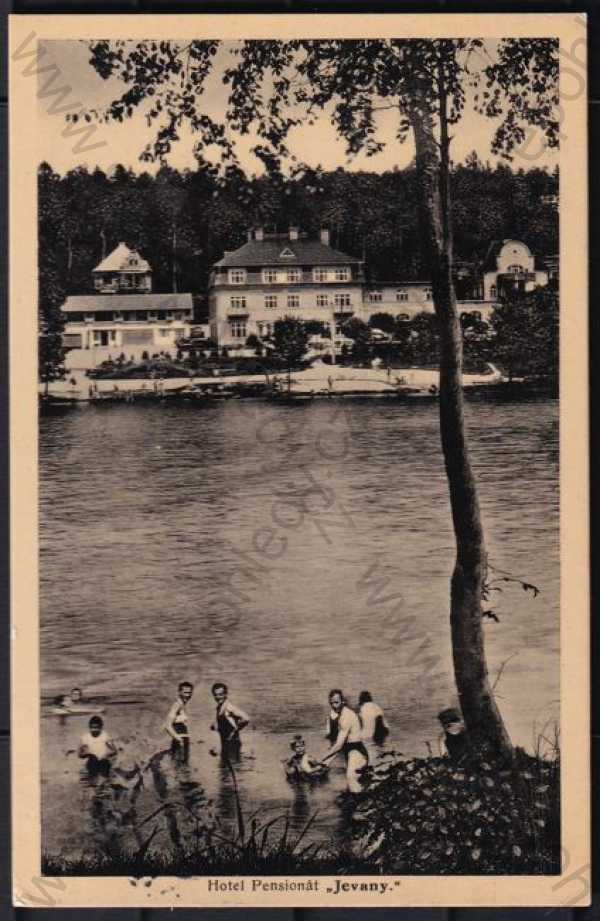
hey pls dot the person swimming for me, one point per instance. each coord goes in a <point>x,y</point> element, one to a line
<point>97,748</point>
<point>72,704</point>
<point>301,766</point>
<point>230,720</point>
<point>176,723</point>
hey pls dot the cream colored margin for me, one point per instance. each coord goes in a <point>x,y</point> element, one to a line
<point>571,888</point>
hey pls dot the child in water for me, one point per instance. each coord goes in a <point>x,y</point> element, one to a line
<point>97,748</point>
<point>301,766</point>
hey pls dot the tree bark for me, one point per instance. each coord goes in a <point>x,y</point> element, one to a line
<point>174,259</point>
<point>481,715</point>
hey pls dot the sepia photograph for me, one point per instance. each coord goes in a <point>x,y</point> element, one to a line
<point>298,445</point>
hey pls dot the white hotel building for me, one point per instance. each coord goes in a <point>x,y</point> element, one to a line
<point>277,275</point>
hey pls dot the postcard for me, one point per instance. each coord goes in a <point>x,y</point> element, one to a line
<point>299,467</point>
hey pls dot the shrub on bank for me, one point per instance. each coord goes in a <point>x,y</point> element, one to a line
<point>429,815</point>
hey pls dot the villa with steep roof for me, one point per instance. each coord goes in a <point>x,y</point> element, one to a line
<point>124,317</point>
<point>123,270</point>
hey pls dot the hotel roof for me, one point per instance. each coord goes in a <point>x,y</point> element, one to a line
<point>99,303</point>
<point>283,251</point>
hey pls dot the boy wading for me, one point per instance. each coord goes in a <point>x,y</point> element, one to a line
<point>176,723</point>
<point>349,741</point>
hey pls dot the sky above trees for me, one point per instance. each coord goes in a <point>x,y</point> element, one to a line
<point>122,143</point>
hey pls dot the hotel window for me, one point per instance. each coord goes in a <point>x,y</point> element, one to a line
<point>89,317</point>
<point>515,269</point>
<point>320,274</point>
<point>322,300</point>
<point>401,295</point>
<point>238,329</point>
<point>269,276</point>
<point>161,314</point>
<point>237,276</point>
<point>293,300</point>
<point>342,300</point>
<point>427,294</point>
<point>259,329</point>
<point>294,275</point>
<point>178,332</point>
<point>271,301</point>
<point>375,297</point>
<point>342,274</point>
<point>493,291</point>
<point>152,315</point>
<point>165,332</point>
<point>237,303</point>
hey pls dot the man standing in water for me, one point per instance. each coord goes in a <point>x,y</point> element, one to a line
<point>176,723</point>
<point>229,721</point>
<point>374,725</point>
<point>349,741</point>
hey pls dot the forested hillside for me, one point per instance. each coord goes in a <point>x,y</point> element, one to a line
<point>182,222</point>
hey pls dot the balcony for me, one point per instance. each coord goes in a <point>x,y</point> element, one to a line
<point>511,277</point>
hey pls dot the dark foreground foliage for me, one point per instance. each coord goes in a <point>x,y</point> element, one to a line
<point>431,816</point>
<point>422,816</point>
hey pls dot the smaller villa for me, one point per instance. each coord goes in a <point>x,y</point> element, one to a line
<point>123,316</point>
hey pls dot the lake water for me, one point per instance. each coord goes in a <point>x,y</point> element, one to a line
<point>284,550</point>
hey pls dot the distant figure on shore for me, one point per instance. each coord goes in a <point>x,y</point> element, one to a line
<point>455,739</point>
<point>374,725</point>
<point>97,748</point>
<point>302,766</point>
<point>176,723</point>
<point>349,741</point>
<point>229,720</point>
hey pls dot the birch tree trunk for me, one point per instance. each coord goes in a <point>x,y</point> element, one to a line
<point>482,717</point>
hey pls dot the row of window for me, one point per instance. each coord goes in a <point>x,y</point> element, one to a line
<point>271,301</point>
<point>291,275</point>
<point>239,329</point>
<point>376,297</point>
<point>109,336</point>
<point>123,281</point>
<point>115,316</point>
